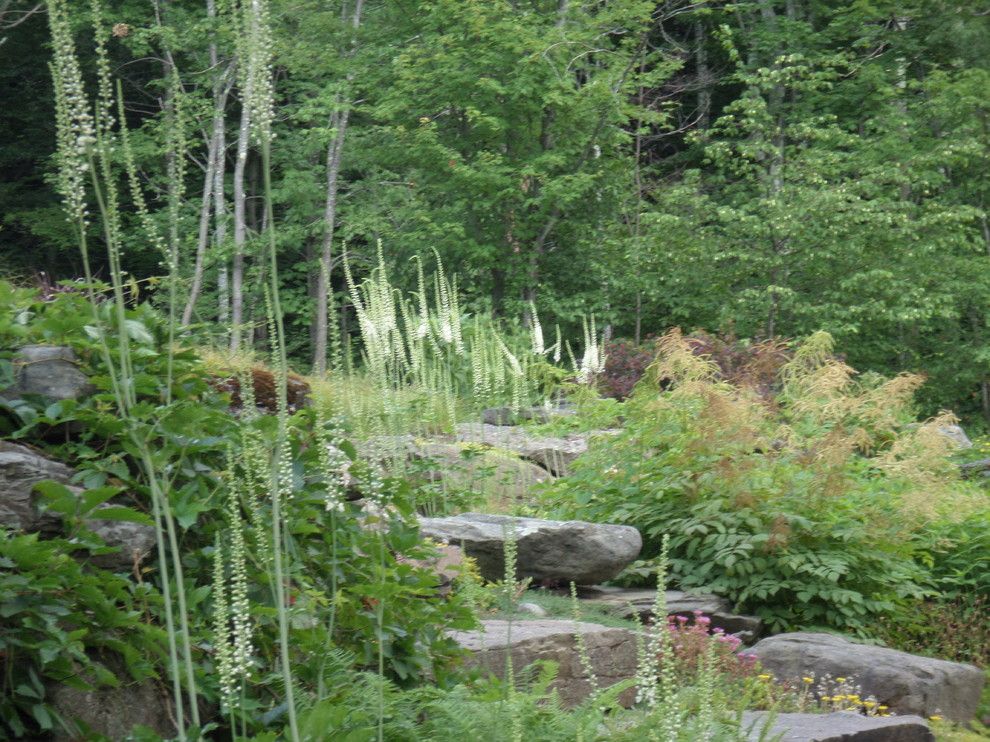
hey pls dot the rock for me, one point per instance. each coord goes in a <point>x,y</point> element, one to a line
<point>133,541</point>
<point>627,602</point>
<point>501,477</point>
<point>612,652</point>
<point>979,468</point>
<point>839,726</point>
<point>907,683</point>
<point>505,415</point>
<point>957,435</point>
<point>553,454</point>
<point>532,609</point>
<point>446,565</point>
<point>50,371</point>
<point>22,468</point>
<point>501,416</point>
<point>552,550</point>
<point>112,712</point>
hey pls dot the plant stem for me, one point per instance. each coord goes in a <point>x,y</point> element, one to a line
<point>283,619</point>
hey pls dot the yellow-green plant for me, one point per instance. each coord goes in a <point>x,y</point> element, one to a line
<point>810,508</point>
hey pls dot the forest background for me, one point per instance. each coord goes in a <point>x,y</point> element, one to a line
<point>762,169</point>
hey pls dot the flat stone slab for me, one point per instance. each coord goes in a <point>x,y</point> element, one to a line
<point>839,726</point>
<point>907,683</point>
<point>627,602</point>
<point>547,550</point>
<point>552,453</point>
<point>612,652</point>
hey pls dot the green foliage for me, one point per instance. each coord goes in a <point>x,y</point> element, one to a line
<point>353,579</point>
<point>814,509</point>
<point>57,620</point>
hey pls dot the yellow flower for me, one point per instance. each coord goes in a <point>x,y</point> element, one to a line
<point>826,698</point>
<point>840,680</point>
<point>869,704</point>
<point>808,680</point>
<point>883,708</point>
<point>763,677</point>
<point>935,717</point>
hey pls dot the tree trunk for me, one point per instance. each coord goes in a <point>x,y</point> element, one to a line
<point>213,197</point>
<point>324,284</point>
<point>704,79</point>
<point>240,229</point>
<point>214,162</point>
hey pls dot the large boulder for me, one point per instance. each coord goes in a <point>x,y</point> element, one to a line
<point>50,371</point>
<point>112,712</point>
<point>22,468</point>
<point>628,602</point>
<point>957,435</point>
<point>612,652</point>
<point>547,550</point>
<point>907,683</point>
<point>839,726</point>
<point>552,453</point>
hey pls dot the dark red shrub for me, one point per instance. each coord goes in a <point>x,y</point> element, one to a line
<point>755,364</point>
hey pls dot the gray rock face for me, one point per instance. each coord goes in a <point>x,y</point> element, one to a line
<point>957,435</point>
<point>627,602</point>
<point>113,712</point>
<point>48,370</point>
<point>532,609</point>
<point>553,454</point>
<point>907,683</point>
<point>976,469</point>
<point>505,416</point>
<point>553,550</point>
<point>134,542</point>
<point>21,469</point>
<point>612,652</point>
<point>501,477</point>
<point>839,726</point>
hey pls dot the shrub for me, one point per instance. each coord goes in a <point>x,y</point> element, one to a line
<point>625,364</point>
<point>810,510</point>
<point>755,365</point>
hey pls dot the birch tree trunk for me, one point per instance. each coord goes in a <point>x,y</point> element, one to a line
<point>214,162</point>
<point>323,283</point>
<point>240,228</point>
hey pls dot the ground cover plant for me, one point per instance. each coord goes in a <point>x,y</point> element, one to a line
<point>823,506</point>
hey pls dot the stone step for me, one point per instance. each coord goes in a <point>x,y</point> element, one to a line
<point>840,726</point>
<point>612,653</point>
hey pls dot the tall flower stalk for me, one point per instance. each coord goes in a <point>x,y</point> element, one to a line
<point>86,143</point>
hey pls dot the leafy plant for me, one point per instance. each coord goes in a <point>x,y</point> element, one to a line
<point>56,618</point>
<point>810,509</point>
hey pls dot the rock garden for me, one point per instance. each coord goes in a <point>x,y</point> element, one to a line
<point>691,563</point>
